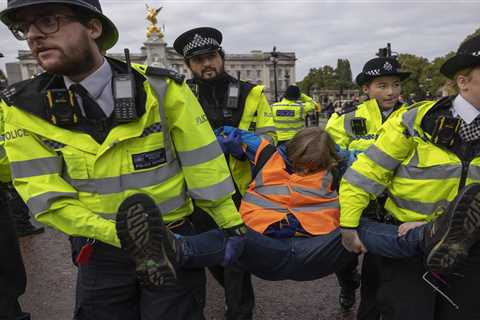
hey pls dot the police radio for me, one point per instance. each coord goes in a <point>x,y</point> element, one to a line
<point>233,93</point>
<point>446,131</point>
<point>124,94</point>
<point>62,107</point>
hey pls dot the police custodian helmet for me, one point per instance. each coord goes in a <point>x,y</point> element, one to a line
<point>109,34</point>
<point>468,55</point>
<point>380,67</point>
<point>198,41</point>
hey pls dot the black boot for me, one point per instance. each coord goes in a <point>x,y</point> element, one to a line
<point>147,240</point>
<point>449,238</point>
<point>349,281</point>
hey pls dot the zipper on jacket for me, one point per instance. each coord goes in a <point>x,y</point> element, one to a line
<point>463,177</point>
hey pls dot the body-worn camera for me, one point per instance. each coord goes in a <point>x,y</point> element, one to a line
<point>445,131</point>
<point>62,107</point>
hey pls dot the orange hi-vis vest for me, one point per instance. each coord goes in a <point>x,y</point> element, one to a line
<point>275,193</point>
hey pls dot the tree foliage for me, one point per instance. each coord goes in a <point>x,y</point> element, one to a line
<point>425,77</point>
<point>326,77</point>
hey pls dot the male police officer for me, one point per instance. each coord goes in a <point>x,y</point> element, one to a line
<point>226,101</point>
<point>424,157</point>
<point>290,113</point>
<point>81,152</point>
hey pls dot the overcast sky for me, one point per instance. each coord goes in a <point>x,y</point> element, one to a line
<point>319,32</point>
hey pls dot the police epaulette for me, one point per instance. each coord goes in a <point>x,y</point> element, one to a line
<point>341,113</point>
<point>162,72</point>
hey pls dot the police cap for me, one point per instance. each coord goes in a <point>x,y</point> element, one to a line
<point>380,67</point>
<point>198,41</point>
<point>468,55</point>
<point>109,33</point>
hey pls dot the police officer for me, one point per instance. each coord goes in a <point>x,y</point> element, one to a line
<point>424,157</point>
<point>226,101</point>
<point>291,112</point>
<point>87,136</point>
<point>355,129</point>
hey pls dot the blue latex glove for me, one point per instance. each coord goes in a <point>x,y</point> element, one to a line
<point>231,142</point>
<point>233,250</point>
<point>251,140</point>
<point>348,156</point>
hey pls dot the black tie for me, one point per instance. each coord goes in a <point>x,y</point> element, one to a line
<point>91,108</point>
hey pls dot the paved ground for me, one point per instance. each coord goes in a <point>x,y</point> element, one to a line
<point>51,278</point>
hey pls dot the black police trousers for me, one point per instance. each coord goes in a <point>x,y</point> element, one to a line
<point>12,271</point>
<point>107,288</point>
<point>401,293</point>
<point>239,296</point>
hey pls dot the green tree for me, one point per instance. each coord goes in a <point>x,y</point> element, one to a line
<point>344,74</point>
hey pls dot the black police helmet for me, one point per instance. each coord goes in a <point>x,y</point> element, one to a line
<point>198,41</point>
<point>292,93</point>
<point>380,67</point>
<point>468,55</point>
<point>109,33</point>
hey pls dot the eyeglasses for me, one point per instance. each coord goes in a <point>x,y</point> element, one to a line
<point>45,24</point>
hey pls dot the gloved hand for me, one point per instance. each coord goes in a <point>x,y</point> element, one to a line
<point>231,142</point>
<point>348,156</point>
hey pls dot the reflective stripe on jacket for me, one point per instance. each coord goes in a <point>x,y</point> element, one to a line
<point>289,117</point>
<point>420,177</point>
<point>76,185</point>
<point>274,193</point>
<point>339,127</point>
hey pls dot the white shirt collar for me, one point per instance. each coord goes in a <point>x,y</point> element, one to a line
<point>464,109</point>
<point>96,82</point>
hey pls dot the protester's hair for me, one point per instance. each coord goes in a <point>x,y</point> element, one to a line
<point>312,146</point>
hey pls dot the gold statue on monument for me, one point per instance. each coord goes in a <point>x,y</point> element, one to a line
<point>153,29</point>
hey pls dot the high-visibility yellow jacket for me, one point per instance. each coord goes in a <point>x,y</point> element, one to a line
<point>289,117</point>
<point>76,185</point>
<point>420,177</point>
<point>309,100</point>
<point>340,129</point>
<point>5,175</point>
<point>254,114</point>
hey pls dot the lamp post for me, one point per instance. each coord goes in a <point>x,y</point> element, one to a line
<point>287,79</point>
<point>274,60</point>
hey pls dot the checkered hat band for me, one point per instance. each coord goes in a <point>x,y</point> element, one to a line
<point>199,42</point>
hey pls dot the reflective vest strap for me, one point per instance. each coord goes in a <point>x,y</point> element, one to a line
<point>159,88</point>
<point>357,179</point>
<point>136,180</point>
<point>263,203</point>
<point>426,208</point>
<point>36,167</point>
<point>42,202</point>
<point>381,158</point>
<point>408,120</point>
<point>440,172</point>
